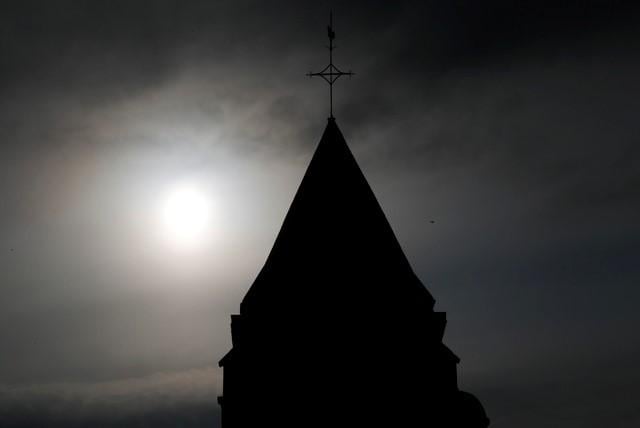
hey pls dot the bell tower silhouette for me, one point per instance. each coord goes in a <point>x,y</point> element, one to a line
<point>337,330</point>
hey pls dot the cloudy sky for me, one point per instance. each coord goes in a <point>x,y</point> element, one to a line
<point>512,125</point>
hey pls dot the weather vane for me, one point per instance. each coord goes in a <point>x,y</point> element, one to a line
<point>331,73</point>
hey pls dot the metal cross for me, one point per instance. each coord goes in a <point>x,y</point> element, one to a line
<point>331,73</point>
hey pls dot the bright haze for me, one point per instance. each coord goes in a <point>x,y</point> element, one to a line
<point>150,149</point>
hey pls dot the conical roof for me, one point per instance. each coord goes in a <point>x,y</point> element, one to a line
<point>335,246</point>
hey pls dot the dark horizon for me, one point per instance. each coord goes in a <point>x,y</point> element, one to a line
<point>499,138</point>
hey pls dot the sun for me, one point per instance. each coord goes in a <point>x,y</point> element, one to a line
<point>186,215</point>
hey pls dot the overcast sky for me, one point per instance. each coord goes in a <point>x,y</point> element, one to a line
<point>512,125</point>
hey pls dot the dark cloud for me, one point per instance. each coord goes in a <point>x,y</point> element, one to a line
<point>164,399</point>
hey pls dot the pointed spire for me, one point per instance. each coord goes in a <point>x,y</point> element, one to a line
<point>335,241</point>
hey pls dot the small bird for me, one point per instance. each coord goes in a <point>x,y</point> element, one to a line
<point>432,221</point>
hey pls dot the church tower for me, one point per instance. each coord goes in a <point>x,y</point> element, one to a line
<point>337,330</point>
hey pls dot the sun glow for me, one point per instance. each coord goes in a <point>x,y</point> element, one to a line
<point>186,215</point>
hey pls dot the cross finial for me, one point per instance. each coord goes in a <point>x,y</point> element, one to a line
<point>331,73</point>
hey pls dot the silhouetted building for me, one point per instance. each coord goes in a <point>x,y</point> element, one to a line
<point>337,330</point>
